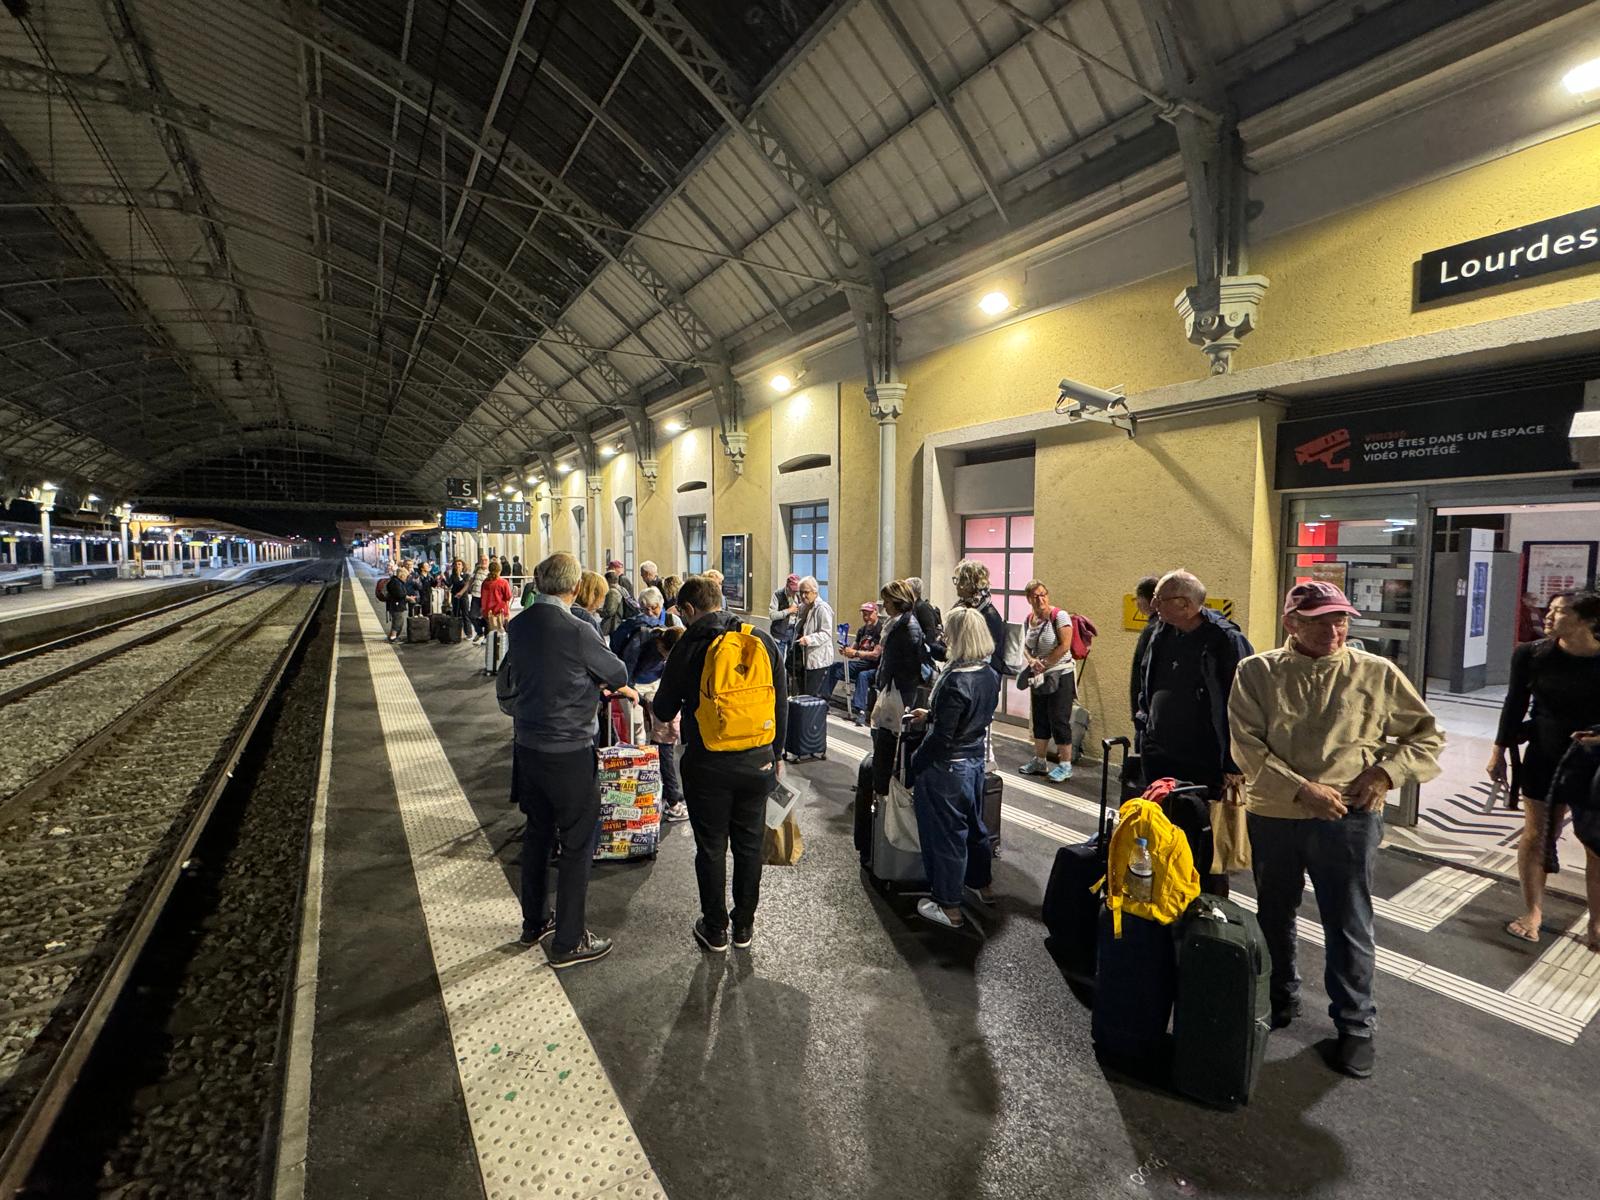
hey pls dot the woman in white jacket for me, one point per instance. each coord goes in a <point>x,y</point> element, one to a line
<point>817,635</point>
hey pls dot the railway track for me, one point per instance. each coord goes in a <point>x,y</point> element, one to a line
<point>97,819</point>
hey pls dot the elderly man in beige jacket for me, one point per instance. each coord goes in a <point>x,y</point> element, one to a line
<point>1323,731</point>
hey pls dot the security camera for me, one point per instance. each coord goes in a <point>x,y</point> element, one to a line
<point>1085,402</point>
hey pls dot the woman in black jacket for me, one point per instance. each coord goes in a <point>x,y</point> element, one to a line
<point>899,675</point>
<point>947,771</point>
<point>1560,675</point>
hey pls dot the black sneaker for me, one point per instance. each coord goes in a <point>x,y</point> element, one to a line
<point>1354,1056</point>
<point>531,936</point>
<point>1284,1014</point>
<point>743,935</point>
<point>714,940</point>
<point>587,950</point>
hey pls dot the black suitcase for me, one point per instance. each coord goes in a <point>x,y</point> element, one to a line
<point>1136,980</point>
<point>417,629</point>
<point>993,789</point>
<point>1072,903</point>
<point>453,631</point>
<point>807,735</point>
<point>1223,1014</point>
<point>439,627</point>
<point>863,812</point>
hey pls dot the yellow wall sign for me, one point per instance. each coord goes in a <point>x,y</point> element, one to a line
<point>1133,619</point>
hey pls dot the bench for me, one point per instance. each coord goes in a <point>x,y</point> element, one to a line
<point>17,587</point>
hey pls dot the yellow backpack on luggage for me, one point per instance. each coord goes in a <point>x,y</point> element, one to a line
<point>738,703</point>
<point>1174,883</point>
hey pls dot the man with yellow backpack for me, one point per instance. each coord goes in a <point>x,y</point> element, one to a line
<point>727,678</point>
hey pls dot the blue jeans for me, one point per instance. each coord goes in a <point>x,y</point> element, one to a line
<point>862,675</point>
<point>948,798</point>
<point>1338,855</point>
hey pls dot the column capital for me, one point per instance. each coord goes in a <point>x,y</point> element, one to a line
<point>735,442</point>
<point>1217,316</point>
<point>650,468</point>
<point>45,497</point>
<point>886,401</point>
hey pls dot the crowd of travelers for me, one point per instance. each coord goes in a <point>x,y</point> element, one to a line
<point>1308,738</point>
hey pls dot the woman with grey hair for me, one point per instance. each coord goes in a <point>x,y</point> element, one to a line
<point>929,620</point>
<point>817,636</point>
<point>947,772</point>
<point>972,591</point>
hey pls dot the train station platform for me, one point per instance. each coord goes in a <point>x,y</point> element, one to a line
<point>853,1050</point>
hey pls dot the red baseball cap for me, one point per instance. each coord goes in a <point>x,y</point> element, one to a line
<point>1316,597</point>
<point>615,564</point>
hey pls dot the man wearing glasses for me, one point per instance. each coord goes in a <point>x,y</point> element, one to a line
<point>1322,731</point>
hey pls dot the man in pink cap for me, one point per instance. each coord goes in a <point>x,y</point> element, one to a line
<point>1323,732</point>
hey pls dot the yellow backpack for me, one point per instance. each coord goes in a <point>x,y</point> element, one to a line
<point>738,703</point>
<point>1174,883</point>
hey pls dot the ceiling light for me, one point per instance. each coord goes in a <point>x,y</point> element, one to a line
<point>532,479</point>
<point>673,425</point>
<point>1583,78</point>
<point>607,451</point>
<point>995,303</point>
<point>780,383</point>
<point>93,499</point>
<point>565,468</point>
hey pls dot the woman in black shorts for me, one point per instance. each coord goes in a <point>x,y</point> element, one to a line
<point>1560,674</point>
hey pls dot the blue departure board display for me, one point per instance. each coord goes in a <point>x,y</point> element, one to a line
<point>461,518</point>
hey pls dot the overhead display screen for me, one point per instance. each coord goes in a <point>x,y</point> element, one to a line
<point>461,518</point>
<point>506,516</point>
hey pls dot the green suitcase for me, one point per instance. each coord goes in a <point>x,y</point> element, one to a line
<point>1223,1013</point>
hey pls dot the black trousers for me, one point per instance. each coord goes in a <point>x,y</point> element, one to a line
<point>814,682</point>
<point>727,798</point>
<point>560,796</point>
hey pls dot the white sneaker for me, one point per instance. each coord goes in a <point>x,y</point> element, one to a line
<point>676,812</point>
<point>1034,766</point>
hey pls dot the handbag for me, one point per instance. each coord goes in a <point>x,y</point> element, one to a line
<point>900,818</point>
<point>1230,837</point>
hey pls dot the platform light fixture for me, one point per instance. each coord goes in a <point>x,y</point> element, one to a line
<point>565,468</point>
<point>781,383</point>
<point>672,425</point>
<point>1583,79</point>
<point>994,303</point>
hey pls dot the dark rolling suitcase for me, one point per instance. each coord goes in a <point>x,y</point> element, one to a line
<point>417,629</point>
<point>1136,979</point>
<point>438,627</point>
<point>1223,1013</point>
<point>993,789</point>
<point>1072,903</point>
<point>807,734</point>
<point>452,632</point>
<point>863,811</point>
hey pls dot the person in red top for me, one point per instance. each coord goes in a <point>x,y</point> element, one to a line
<point>496,598</point>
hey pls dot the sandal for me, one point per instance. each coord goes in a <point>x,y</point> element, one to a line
<point>1521,932</point>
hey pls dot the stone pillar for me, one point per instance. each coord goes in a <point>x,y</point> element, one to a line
<point>886,401</point>
<point>596,538</point>
<point>83,548</point>
<point>47,505</point>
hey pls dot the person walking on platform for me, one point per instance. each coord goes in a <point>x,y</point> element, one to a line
<point>726,678</point>
<point>1322,731</point>
<point>1143,595</point>
<point>475,592</point>
<point>1560,676</point>
<point>816,637</point>
<point>555,673</point>
<point>397,602</point>
<point>1185,678</point>
<point>947,772</point>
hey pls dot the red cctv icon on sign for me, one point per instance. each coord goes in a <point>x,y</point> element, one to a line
<point>1326,450</point>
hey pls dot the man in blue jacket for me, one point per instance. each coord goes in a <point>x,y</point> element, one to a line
<point>1184,681</point>
<point>555,673</point>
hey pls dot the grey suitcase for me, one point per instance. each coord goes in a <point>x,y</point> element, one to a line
<point>893,868</point>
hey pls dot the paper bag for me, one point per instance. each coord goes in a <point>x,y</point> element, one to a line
<point>781,847</point>
<point>1230,838</point>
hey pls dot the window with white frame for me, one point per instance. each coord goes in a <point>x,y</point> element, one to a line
<point>808,543</point>
<point>694,545</point>
<point>625,517</point>
<point>583,542</point>
<point>1003,542</point>
<point>544,535</point>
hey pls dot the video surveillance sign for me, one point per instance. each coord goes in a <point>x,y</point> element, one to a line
<point>1537,249</point>
<point>507,516</point>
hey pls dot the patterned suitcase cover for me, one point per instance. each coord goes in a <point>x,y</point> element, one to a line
<point>630,809</point>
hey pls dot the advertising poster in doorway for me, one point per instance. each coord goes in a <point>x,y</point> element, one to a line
<point>1548,569</point>
<point>1475,647</point>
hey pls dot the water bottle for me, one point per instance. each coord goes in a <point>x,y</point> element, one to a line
<point>1138,885</point>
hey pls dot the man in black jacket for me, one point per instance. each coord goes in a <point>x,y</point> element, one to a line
<point>726,790</point>
<point>1143,594</point>
<point>554,675</point>
<point>397,603</point>
<point>1185,679</point>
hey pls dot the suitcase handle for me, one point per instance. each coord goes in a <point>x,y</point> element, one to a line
<point>1106,745</point>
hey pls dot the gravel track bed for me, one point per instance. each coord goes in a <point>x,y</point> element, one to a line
<point>41,665</point>
<point>47,726</point>
<point>186,1108</point>
<point>185,735</point>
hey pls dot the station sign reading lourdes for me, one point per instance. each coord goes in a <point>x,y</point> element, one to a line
<point>1554,245</point>
<point>1510,433</point>
<point>507,516</point>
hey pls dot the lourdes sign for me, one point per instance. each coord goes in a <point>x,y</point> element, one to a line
<point>1554,245</point>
